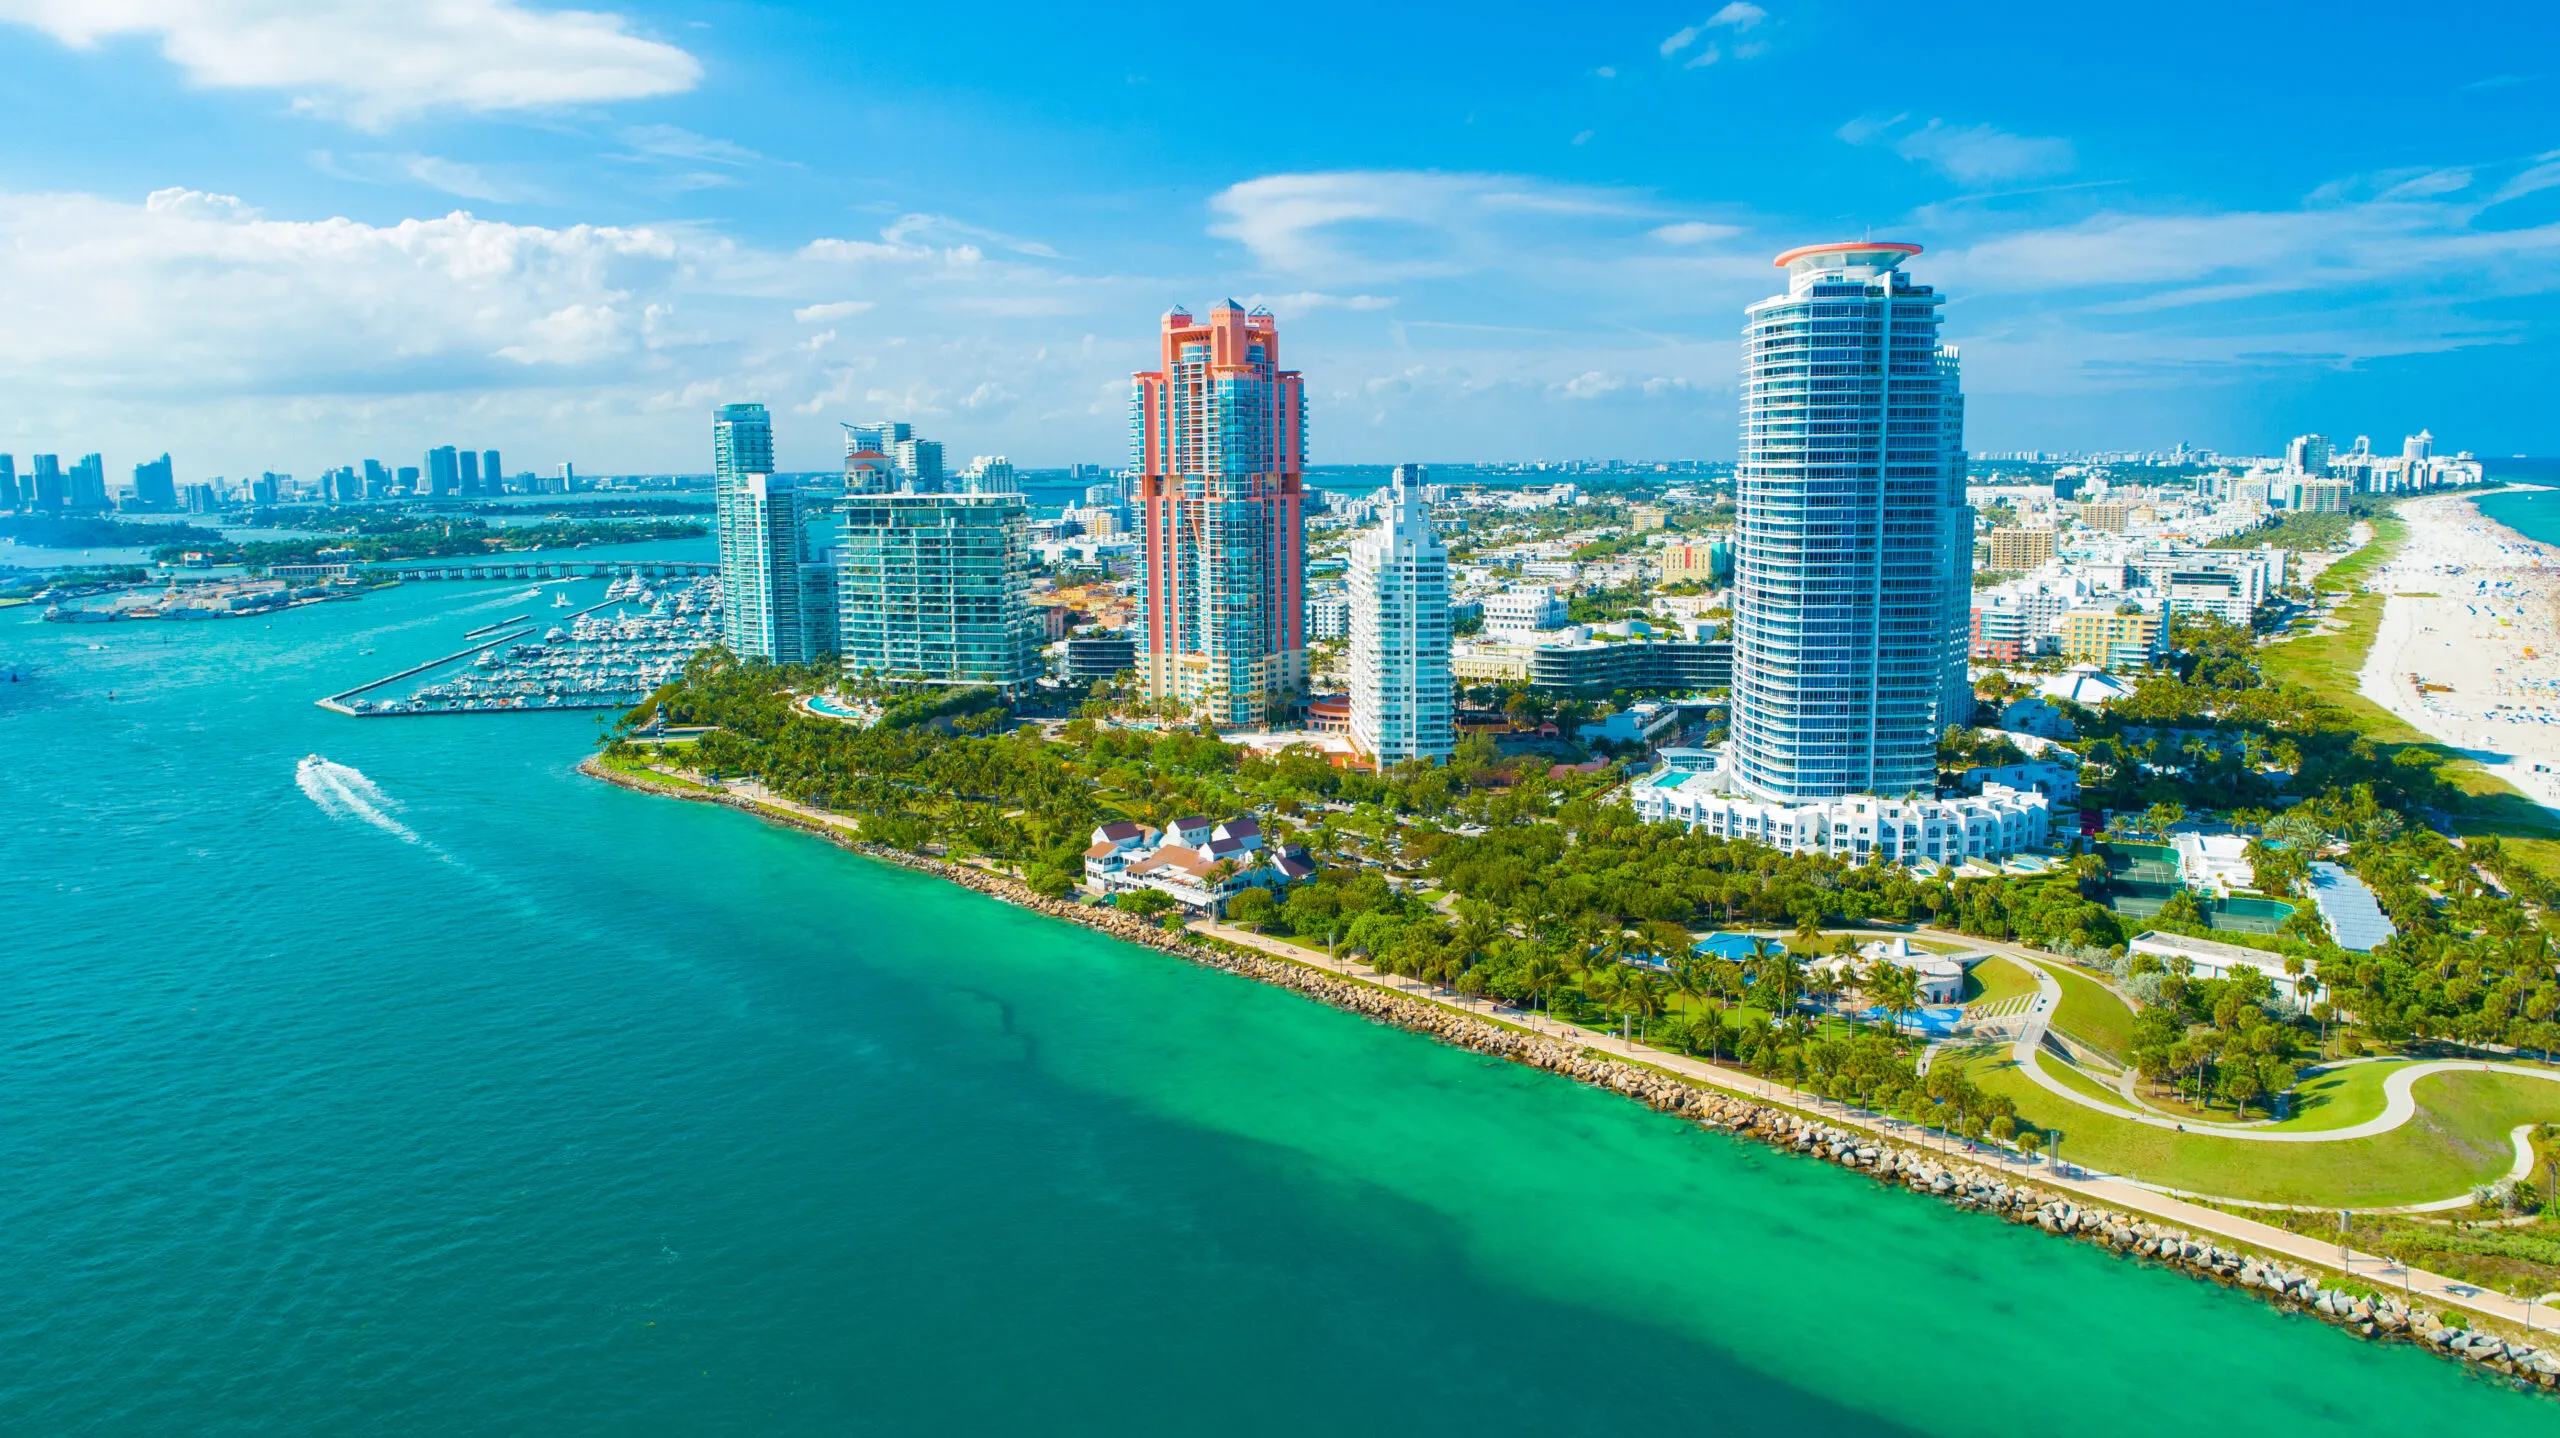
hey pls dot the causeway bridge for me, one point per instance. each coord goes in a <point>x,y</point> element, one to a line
<point>416,569</point>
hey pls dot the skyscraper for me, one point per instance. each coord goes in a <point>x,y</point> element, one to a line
<point>1848,612</point>
<point>2307,454</point>
<point>155,484</point>
<point>467,463</point>
<point>932,587</point>
<point>88,483</point>
<point>493,480</point>
<point>444,470</point>
<point>1219,448</point>
<point>1400,696</point>
<point>772,606</point>
<point>44,481</point>
<point>11,497</point>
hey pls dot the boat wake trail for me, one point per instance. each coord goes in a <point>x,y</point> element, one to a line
<point>343,792</point>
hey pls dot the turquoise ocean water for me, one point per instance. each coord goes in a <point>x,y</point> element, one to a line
<point>460,1094</point>
<point>2535,514</point>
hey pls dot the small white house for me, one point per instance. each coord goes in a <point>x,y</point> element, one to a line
<point>2213,863</point>
<point>1644,722</point>
<point>1941,975</point>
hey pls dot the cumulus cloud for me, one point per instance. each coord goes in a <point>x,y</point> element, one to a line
<point>371,64</point>
<point>198,290</point>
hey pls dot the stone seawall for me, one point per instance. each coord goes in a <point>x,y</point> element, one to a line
<point>1965,1184</point>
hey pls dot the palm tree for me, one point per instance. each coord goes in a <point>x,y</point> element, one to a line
<point>1640,995</point>
<point>1894,989</point>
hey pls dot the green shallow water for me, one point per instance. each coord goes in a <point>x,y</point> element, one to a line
<point>512,1102</point>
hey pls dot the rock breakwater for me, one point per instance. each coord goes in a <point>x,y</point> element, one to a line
<point>1956,1181</point>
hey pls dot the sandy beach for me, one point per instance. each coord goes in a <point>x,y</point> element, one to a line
<point>2469,646</point>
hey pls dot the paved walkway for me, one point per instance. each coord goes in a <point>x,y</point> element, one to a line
<point>2104,1189</point>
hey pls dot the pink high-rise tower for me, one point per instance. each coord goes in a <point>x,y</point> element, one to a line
<point>1218,443</point>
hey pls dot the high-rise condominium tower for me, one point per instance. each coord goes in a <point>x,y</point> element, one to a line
<point>1218,443</point>
<point>1400,697</point>
<point>155,484</point>
<point>1852,539</point>
<point>774,599</point>
<point>933,582</point>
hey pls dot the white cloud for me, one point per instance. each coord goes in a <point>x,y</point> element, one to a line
<point>2429,183</point>
<point>674,143</point>
<point>1704,58</point>
<point>1693,232</point>
<point>371,64</point>
<point>833,310</point>
<point>1389,224</point>
<point>457,178</point>
<point>1737,16</point>
<point>2540,177</point>
<point>1970,154</point>
<point>1308,301</point>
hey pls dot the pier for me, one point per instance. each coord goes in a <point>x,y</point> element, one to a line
<point>338,701</point>
<point>412,570</point>
<point>606,664</point>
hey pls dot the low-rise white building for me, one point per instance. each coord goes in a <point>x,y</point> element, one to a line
<point>1994,824</point>
<point>1523,610</point>
<point>2211,959</point>
<point>1644,722</point>
<point>2214,863</point>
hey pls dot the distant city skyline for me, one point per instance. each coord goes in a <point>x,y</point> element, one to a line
<point>567,230</point>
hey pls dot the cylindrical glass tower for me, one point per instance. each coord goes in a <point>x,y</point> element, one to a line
<point>1848,490</point>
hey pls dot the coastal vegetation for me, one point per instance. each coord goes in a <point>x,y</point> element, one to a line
<point>60,531</point>
<point>2313,531</point>
<point>372,536</point>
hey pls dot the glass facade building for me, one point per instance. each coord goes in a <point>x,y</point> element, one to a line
<point>1401,705</point>
<point>772,605</point>
<point>934,588</point>
<point>1218,443</point>
<point>1852,542</point>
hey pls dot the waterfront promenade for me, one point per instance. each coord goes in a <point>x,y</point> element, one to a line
<point>2371,1269</point>
<point>2375,1271</point>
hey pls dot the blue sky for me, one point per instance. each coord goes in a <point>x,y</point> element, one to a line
<point>264,234</point>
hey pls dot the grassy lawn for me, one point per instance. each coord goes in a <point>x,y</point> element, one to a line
<point>2341,1098</point>
<point>2458,1139</point>
<point>2086,1085</point>
<point>641,768</point>
<point>1995,979</point>
<point>2092,1013</point>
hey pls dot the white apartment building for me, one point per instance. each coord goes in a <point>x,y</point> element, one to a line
<point>1516,610</point>
<point>1402,705</point>
<point>1993,825</point>
<point>1329,616</point>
